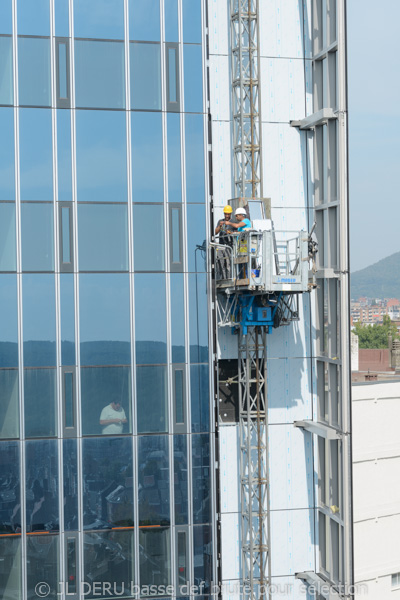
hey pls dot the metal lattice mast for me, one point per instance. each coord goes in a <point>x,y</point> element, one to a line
<point>246,98</point>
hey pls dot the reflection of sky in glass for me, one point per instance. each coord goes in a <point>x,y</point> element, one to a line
<point>198,324</point>
<point>37,236</point>
<point>67,317</point>
<point>38,301</point>
<point>193,78</point>
<point>148,217</point>
<point>7,185</point>
<point>8,306</point>
<point>7,237</point>
<point>64,155</point>
<point>6,70</point>
<point>145,61</point>
<point>33,17</point>
<point>101,155</point>
<point>174,157</point>
<point>6,16</point>
<point>144,20</point>
<point>61,16</point>
<point>36,159</point>
<point>150,318</point>
<point>147,158</point>
<point>171,20</point>
<point>194,137</point>
<point>34,72</point>
<point>196,234</point>
<point>99,19</point>
<point>177,318</point>
<point>191,21</point>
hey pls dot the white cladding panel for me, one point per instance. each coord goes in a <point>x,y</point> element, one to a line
<point>292,541</point>
<point>222,162</point>
<point>220,92</point>
<point>286,28</point>
<point>218,26</point>
<point>231,548</point>
<point>229,468</point>
<point>284,79</point>
<point>289,390</point>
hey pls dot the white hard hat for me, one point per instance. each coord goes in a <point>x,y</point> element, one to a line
<point>240,211</point>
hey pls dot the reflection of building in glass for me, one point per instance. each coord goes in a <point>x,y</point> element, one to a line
<point>115,149</point>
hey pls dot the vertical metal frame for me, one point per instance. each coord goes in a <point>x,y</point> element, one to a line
<point>181,426</point>
<point>64,265</point>
<point>62,101</point>
<point>175,266</point>
<point>68,430</point>
<point>181,530</point>
<point>172,105</point>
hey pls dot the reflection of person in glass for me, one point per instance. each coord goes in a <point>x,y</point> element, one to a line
<point>112,418</point>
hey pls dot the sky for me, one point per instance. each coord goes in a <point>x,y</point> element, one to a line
<point>374,130</point>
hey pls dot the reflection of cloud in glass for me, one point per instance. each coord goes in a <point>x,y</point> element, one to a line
<point>99,18</point>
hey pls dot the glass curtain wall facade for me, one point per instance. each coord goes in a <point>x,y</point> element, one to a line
<point>106,442</point>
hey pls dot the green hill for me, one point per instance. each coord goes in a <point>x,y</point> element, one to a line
<point>381,280</point>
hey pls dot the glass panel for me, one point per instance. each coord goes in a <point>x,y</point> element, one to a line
<point>69,399</point>
<point>11,572</point>
<point>154,560</point>
<point>177,318</point>
<point>321,470</point>
<point>103,237</point>
<point>101,156</point>
<point>193,78</point>
<point>109,559</point>
<point>201,478</point>
<point>9,405</point>
<point>37,237</point>
<point>61,12</point>
<point>71,560</point>
<point>66,246</point>
<point>7,183</point>
<point>171,20</point>
<point>106,400</point>
<point>144,20</point>
<point>36,154</point>
<point>41,463</point>
<point>107,482</point>
<point>99,19</point>
<point>34,71</point>
<point>152,398</point>
<point>67,317</point>
<point>42,558</point>
<point>145,62</point>
<point>63,72</point>
<point>39,320</point>
<point>105,331</point>
<point>64,155</point>
<point>10,514</point>
<point>179,396</point>
<point>70,468</point>
<point>40,398</point>
<point>33,17</point>
<point>6,71</point>
<point>6,16</point>
<point>148,237</point>
<point>174,158</point>
<point>7,238</point>
<point>200,397</point>
<point>195,190</point>
<point>181,479</point>
<point>181,559</point>
<point>9,323</point>
<point>147,158</point>
<point>198,322</point>
<point>154,502</point>
<point>202,542</point>
<point>176,250</point>
<point>99,74</point>
<point>150,319</point>
<point>196,235</point>
<point>172,75</point>
<point>192,21</point>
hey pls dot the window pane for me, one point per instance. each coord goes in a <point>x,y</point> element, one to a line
<point>34,71</point>
<point>65,234</point>
<point>171,20</point>
<point>63,70</point>
<point>109,556</point>
<point>106,396</point>
<point>150,319</point>
<point>202,542</point>
<point>7,238</point>
<point>7,182</point>
<point>198,322</point>
<point>6,16</point>
<point>151,398</point>
<point>103,237</point>
<point>41,462</point>
<point>33,17</point>
<point>99,74</point>
<point>174,158</point>
<point>147,158</point>
<point>181,479</point>
<point>193,78</point>
<point>9,405</point>
<point>192,21</point>
<point>36,154</point>
<point>67,317</point>
<point>179,396</point>
<point>70,467</point>
<point>101,156</point>
<point>10,514</point>
<point>39,320</point>
<point>107,482</point>
<point>155,557</point>
<point>177,318</point>
<point>148,237</point>
<point>172,89</point>
<point>69,399</point>
<point>8,321</point>
<point>37,237</point>
<point>11,575</point>
<point>99,19</point>
<point>43,563</point>
<point>6,71</point>
<point>200,397</point>
<point>64,155</point>
<point>104,319</point>
<point>145,76</point>
<point>175,227</point>
<point>201,478</point>
<point>40,398</point>
<point>61,10</point>
<point>154,502</point>
<point>144,20</point>
<point>196,235</point>
<point>194,136</point>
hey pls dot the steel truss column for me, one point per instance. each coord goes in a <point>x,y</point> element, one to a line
<point>254,463</point>
<point>246,98</point>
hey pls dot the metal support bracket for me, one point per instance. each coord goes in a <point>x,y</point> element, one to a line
<point>322,587</point>
<point>326,431</point>
<point>318,118</point>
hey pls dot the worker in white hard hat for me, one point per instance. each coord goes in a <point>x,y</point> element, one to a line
<point>243,222</point>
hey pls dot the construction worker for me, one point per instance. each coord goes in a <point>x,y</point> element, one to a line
<point>224,226</point>
<point>243,223</point>
<point>224,229</point>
